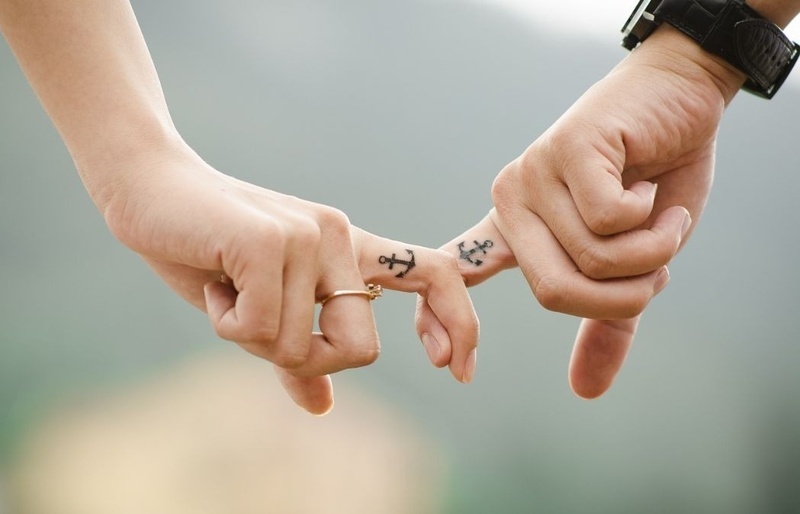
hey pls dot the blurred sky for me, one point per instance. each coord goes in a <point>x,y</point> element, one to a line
<point>590,17</point>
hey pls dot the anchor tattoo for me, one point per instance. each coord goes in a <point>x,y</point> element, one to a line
<point>391,261</point>
<point>479,247</point>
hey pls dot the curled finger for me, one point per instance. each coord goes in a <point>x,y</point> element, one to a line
<point>435,276</point>
<point>559,285</point>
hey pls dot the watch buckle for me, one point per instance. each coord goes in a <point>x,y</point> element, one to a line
<point>640,24</point>
<point>751,87</point>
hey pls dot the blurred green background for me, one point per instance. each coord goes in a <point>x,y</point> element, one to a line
<point>401,113</point>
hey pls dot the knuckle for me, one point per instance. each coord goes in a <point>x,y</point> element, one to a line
<point>307,233</point>
<point>333,220</point>
<point>633,306</point>
<point>270,233</point>
<point>222,331</point>
<point>595,263</point>
<point>550,293</point>
<point>603,220</point>
<point>532,158</point>
<point>502,184</point>
<point>559,145</point>
<point>514,178</point>
<point>365,354</point>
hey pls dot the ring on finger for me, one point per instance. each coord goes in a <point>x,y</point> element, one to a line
<point>372,292</point>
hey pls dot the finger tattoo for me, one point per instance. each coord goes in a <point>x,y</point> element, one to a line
<point>469,255</point>
<point>394,261</point>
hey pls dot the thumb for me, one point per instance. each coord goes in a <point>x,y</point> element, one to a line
<point>599,352</point>
<point>314,394</point>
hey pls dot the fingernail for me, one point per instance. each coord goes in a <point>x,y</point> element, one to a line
<point>661,280</point>
<point>469,366</point>
<point>431,346</point>
<point>687,222</point>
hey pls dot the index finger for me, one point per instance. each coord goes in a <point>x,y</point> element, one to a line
<point>434,275</point>
<point>480,253</point>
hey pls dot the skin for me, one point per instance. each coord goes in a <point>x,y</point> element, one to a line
<point>594,210</point>
<point>192,224</point>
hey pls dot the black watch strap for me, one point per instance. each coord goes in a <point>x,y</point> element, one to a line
<point>738,34</point>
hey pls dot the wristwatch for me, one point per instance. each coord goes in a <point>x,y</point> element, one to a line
<point>728,28</point>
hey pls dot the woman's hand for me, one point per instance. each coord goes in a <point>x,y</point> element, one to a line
<point>258,261</point>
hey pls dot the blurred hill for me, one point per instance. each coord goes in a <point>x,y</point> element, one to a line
<point>216,435</point>
<point>401,113</point>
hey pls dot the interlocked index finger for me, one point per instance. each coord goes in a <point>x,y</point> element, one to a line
<point>433,274</point>
<point>480,253</point>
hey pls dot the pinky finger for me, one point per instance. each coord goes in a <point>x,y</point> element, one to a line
<point>599,352</point>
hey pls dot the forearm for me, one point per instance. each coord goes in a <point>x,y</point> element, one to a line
<point>90,67</point>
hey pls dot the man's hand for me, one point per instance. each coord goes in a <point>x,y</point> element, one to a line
<point>601,202</point>
<point>595,209</point>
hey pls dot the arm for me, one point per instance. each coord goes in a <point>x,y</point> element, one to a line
<point>90,67</point>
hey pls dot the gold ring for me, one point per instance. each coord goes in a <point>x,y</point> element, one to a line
<point>373,291</point>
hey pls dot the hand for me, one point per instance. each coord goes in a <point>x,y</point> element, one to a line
<point>585,191</point>
<point>279,256</point>
<point>599,204</point>
<point>596,207</point>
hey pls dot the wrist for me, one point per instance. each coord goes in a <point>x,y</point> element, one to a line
<point>113,166</point>
<point>729,29</point>
<point>675,52</point>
